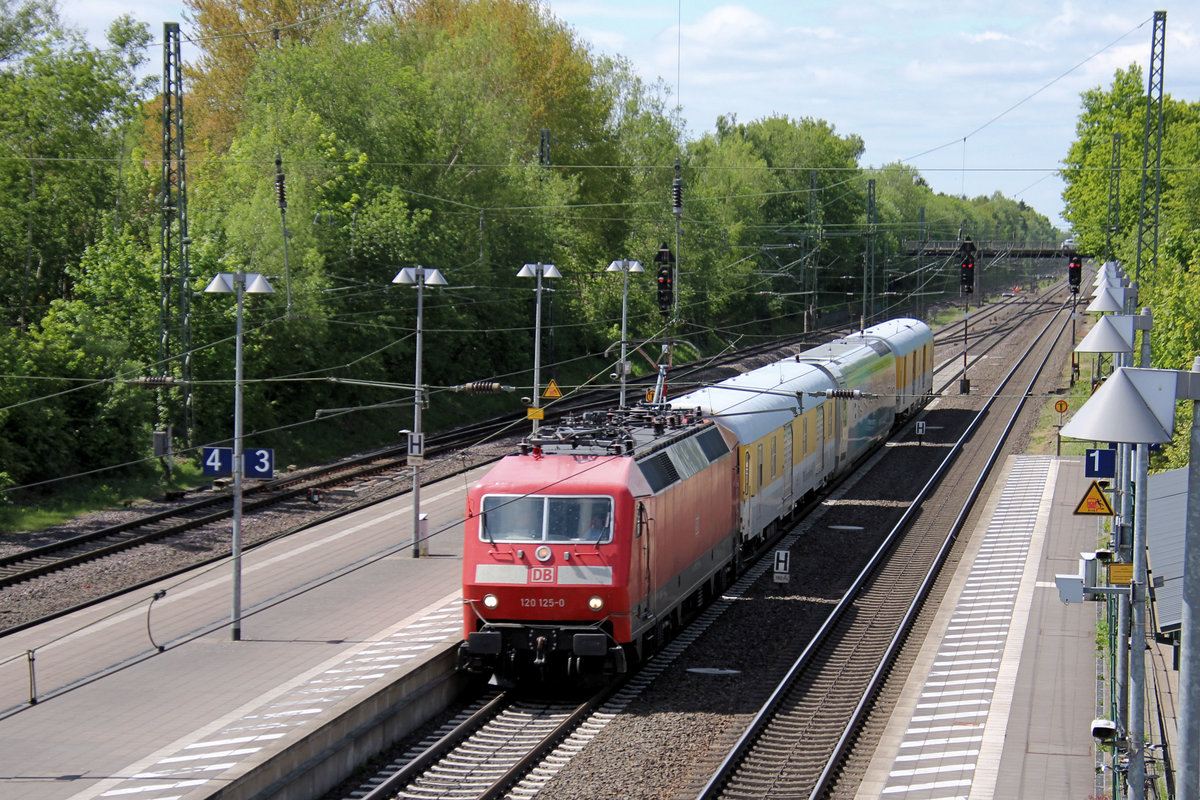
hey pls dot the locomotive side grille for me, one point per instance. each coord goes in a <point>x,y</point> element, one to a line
<point>683,459</point>
<point>659,471</point>
<point>712,444</point>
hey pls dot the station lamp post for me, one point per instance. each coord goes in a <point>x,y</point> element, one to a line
<point>538,270</point>
<point>420,277</point>
<point>238,283</point>
<point>624,266</point>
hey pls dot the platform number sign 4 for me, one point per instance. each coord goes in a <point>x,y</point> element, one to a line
<point>217,462</point>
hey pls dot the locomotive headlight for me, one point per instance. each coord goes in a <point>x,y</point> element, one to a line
<point>543,553</point>
<point>490,601</point>
<point>595,602</point>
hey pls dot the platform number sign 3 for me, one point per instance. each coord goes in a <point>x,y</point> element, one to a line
<point>259,463</point>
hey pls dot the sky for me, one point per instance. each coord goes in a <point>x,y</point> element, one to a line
<point>978,95</point>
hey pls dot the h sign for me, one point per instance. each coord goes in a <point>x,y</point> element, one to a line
<point>783,560</point>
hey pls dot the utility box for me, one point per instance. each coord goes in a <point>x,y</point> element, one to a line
<point>1070,588</point>
<point>1077,588</point>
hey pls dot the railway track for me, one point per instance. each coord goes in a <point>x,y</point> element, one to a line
<point>795,745</point>
<point>482,752</point>
<point>387,469</point>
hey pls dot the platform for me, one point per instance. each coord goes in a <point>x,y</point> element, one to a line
<point>1001,699</point>
<point>335,618</point>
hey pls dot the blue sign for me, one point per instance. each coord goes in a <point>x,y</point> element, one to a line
<point>217,462</point>
<point>1100,464</point>
<point>259,463</point>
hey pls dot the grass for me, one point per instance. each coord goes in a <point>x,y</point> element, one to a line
<point>83,496</point>
<point>1043,441</point>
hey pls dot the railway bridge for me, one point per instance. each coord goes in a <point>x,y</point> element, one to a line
<point>995,249</point>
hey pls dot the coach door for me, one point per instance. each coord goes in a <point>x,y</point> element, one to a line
<point>788,472</point>
<point>820,443</point>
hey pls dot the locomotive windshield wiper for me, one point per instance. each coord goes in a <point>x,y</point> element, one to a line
<point>486,532</point>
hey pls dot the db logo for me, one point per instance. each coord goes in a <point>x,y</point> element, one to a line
<point>541,574</point>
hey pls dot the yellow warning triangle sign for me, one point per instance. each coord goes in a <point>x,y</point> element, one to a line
<point>1094,503</point>
<point>552,391</point>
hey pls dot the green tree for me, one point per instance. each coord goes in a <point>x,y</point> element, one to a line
<point>64,109</point>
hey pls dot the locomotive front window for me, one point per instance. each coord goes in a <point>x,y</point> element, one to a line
<point>517,518</point>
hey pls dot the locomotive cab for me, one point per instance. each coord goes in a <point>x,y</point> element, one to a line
<point>546,575</point>
<point>583,552</point>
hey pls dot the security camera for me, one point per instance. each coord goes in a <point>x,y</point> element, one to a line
<point>1104,731</point>
<point>613,376</point>
<point>527,401</point>
<point>1104,555</point>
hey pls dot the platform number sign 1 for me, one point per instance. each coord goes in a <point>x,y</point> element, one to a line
<point>1100,463</point>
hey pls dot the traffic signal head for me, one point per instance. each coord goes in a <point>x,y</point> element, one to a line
<point>967,276</point>
<point>666,294</point>
<point>1075,273</point>
<point>666,291</point>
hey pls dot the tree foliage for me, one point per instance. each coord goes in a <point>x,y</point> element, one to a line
<point>1167,284</point>
<point>471,136</point>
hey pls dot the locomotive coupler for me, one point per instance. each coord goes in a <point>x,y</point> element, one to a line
<point>541,651</point>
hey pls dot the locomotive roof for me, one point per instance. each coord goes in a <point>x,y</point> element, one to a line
<point>601,449</point>
<point>636,432</point>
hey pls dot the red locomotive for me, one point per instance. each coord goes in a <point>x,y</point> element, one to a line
<point>585,550</point>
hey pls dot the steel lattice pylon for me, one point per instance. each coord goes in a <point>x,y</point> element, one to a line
<point>1114,197</point>
<point>1148,206</point>
<point>174,270</point>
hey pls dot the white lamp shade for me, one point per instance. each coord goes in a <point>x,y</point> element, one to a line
<point>621,265</point>
<point>220,284</point>
<point>428,277</point>
<point>1106,300</point>
<point>258,284</point>
<point>1133,405</point>
<point>532,270</point>
<point>1111,334</point>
